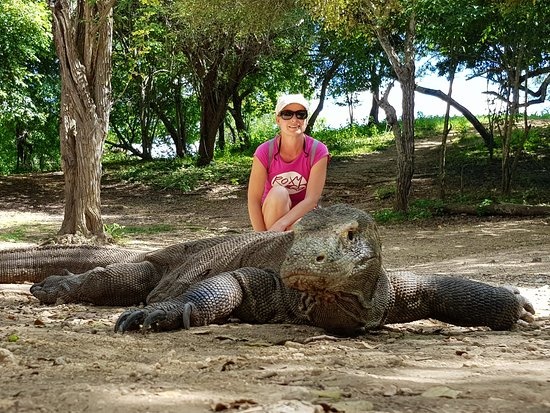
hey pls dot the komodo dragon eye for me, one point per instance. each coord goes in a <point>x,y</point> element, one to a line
<point>351,235</point>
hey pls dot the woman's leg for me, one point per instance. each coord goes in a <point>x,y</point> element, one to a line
<point>276,204</point>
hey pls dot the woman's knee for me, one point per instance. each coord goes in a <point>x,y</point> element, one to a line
<point>278,196</point>
<point>276,204</point>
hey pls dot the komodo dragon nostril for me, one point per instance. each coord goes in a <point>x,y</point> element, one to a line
<point>320,258</point>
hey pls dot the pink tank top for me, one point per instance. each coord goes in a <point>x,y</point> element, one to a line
<point>292,175</point>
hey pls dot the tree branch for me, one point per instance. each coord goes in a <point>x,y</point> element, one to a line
<point>483,132</point>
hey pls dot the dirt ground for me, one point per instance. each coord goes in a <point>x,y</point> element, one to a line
<point>68,359</point>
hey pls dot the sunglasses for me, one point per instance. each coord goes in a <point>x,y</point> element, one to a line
<point>288,114</point>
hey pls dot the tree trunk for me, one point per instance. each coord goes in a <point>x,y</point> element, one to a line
<point>145,118</point>
<point>404,66</point>
<point>405,147</point>
<point>237,113</point>
<point>24,148</point>
<point>444,136</point>
<point>83,39</point>
<point>180,137</point>
<point>213,107</point>
<point>221,136</point>
<point>327,77</point>
<point>350,101</point>
<point>374,109</point>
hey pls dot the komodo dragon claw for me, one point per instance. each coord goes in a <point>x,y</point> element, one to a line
<point>130,320</point>
<point>527,309</point>
<point>139,319</point>
<point>153,318</point>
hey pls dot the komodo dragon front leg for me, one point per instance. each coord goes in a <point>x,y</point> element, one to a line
<point>250,294</point>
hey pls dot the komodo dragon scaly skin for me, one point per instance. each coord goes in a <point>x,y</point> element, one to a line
<point>328,272</point>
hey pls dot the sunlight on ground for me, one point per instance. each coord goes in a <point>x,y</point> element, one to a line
<point>540,298</point>
<point>14,217</point>
<point>109,399</point>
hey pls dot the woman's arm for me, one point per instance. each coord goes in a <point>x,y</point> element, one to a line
<point>256,183</point>
<point>314,190</point>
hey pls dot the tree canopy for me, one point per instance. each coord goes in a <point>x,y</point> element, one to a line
<point>185,72</point>
<point>29,86</point>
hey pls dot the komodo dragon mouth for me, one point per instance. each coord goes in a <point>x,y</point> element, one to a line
<point>303,281</point>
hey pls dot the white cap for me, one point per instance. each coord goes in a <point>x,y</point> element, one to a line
<point>286,100</point>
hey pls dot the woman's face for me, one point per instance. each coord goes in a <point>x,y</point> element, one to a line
<point>293,125</point>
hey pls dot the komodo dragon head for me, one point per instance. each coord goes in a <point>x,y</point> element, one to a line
<point>335,260</point>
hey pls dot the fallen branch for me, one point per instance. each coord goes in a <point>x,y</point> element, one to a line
<point>498,209</point>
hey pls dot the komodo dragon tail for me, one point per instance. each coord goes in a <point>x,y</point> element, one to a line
<point>35,264</point>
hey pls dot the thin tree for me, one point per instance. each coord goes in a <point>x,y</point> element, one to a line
<point>393,22</point>
<point>83,31</point>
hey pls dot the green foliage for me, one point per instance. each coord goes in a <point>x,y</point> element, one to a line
<point>13,338</point>
<point>388,215</point>
<point>147,229</point>
<point>420,209</point>
<point>120,232</point>
<point>27,232</point>
<point>429,125</point>
<point>544,115</point>
<point>182,174</point>
<point>13,235</point>
<point>482,206</point>
<point>262,128</point>
<point>29,87</point>
<point>355,139</point>
<point>385,192</point>
<point>8,152</point>
<point>538,141</point>
<point>115,231</point>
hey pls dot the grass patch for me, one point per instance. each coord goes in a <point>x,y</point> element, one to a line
<point>385,192</point>
<point>27,232</point>
<point>425,127</point>
<point>181,174</point>
<point>355,140</point>
<point>149,229</point>
<point>119,232</point>
<point>420,209</point>
<point>231,167</point>
<point>14,235</point>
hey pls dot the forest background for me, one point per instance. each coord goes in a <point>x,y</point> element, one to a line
<point>195,84</point>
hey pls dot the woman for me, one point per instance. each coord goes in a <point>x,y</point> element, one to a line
<point>288,172</point>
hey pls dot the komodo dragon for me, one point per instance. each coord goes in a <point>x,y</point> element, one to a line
<point>327,272</point>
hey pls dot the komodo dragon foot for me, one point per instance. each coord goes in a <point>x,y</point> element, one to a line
<point>250,294</point>
<point>136,319</point>
<point>57,289</point>
<point>527,311</point>
<point>209,301</point>
<point>149,317</point>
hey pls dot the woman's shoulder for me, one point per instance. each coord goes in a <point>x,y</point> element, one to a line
<point>264,152</point>
<point>311,142</point>
<point>264,146</point>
